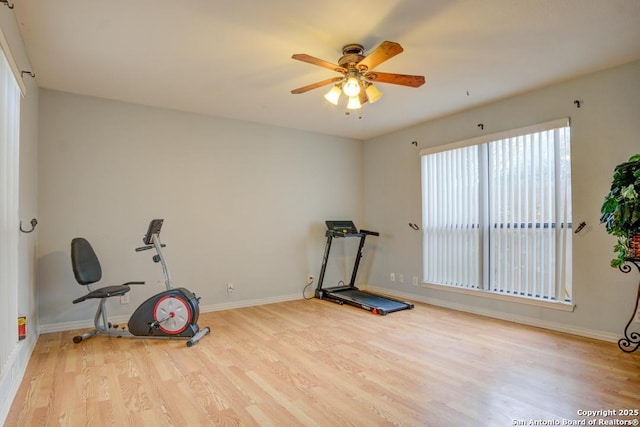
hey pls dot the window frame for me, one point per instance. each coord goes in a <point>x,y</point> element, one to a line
<point>485,289</point>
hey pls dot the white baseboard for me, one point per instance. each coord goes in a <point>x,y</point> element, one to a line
<point>83,324</point>
<point>559,327</point>
<point>12,377</point>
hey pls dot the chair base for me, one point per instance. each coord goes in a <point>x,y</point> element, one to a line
<point>101,325</point>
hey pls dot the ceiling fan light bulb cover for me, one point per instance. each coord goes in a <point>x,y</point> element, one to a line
<point>333,95</point>
<point>351,87</point>
<point>373,94</point>
<point>354,103</point>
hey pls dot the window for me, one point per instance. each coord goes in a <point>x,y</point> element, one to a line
<point>9,149</point>
<point>497,213</point>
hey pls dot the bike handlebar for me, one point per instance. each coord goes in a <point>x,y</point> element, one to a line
<point>144,248</point>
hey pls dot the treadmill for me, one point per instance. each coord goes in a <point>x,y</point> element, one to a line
<point>377,304</point>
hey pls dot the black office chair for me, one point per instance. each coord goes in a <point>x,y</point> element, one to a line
<point>87,271</point>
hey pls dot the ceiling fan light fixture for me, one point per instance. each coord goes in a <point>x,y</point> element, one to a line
<point>373,94</point>
<point>351,87</point>
<point>333,95</point>
<point>354,103</point>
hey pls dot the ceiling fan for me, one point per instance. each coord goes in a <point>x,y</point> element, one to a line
<point>357,74</point>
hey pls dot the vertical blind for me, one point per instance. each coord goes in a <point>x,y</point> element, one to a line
<point>9,150</point>
<point>497,213</point>
<point>451,217</point>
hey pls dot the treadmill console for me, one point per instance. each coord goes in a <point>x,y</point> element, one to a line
<point>341,228</point>
<point>154,228</point>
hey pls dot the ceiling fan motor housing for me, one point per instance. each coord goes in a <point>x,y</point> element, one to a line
<point>352,54</point>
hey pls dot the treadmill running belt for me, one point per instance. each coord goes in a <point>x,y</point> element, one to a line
<point>372,300</point>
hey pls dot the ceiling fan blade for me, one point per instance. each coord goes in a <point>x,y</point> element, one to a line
<point>315,61</point>
<point>385,51</point>
<point>396,79</point>
<point>316,85</point>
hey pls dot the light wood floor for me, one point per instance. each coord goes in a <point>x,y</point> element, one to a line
<point>314,363</point>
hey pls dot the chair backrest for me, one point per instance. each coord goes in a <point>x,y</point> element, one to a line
<point>84,261</point>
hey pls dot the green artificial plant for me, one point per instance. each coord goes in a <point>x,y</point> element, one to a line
<point>621,207</point>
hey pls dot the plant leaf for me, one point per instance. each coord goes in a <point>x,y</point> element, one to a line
<point>629,192</point>
<point>610,204</point>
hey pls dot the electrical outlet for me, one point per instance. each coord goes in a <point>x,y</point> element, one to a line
<point>309,279</point>
<point>415,280</point>
<point>392,277</point>
<point>124,299</point>
<point>230,287</point>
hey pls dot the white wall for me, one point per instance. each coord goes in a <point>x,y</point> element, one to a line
<point>242,202</point>
<point>605,132</point>
<point>28,208</point>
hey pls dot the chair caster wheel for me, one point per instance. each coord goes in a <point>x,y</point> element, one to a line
<point>77,339</point>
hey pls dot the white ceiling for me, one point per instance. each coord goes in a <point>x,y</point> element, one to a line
<point>232,58</point>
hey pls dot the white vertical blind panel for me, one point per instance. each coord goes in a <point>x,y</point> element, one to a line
<point>564,214</point>
<point>451,240</point>
<point>9,140</point>
<point>528,215</point>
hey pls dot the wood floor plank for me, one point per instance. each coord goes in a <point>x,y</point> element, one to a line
<point>311,362</point>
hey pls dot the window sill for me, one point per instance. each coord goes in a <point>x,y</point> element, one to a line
<point>556,305</point>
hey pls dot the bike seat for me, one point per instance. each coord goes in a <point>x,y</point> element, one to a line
<point>106,292</point>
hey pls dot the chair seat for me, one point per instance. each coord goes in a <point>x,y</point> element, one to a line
<point>107,291</point>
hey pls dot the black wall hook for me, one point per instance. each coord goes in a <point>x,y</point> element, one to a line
<point>481,126</point>
<point>415,143</point>
<point>30,73</point>
<point>6,2</point>
<point>577,102</point>
<point>34,222</point>
<point>414,226</point>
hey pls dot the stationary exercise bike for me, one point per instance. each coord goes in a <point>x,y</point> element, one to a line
<point>171,314</point>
